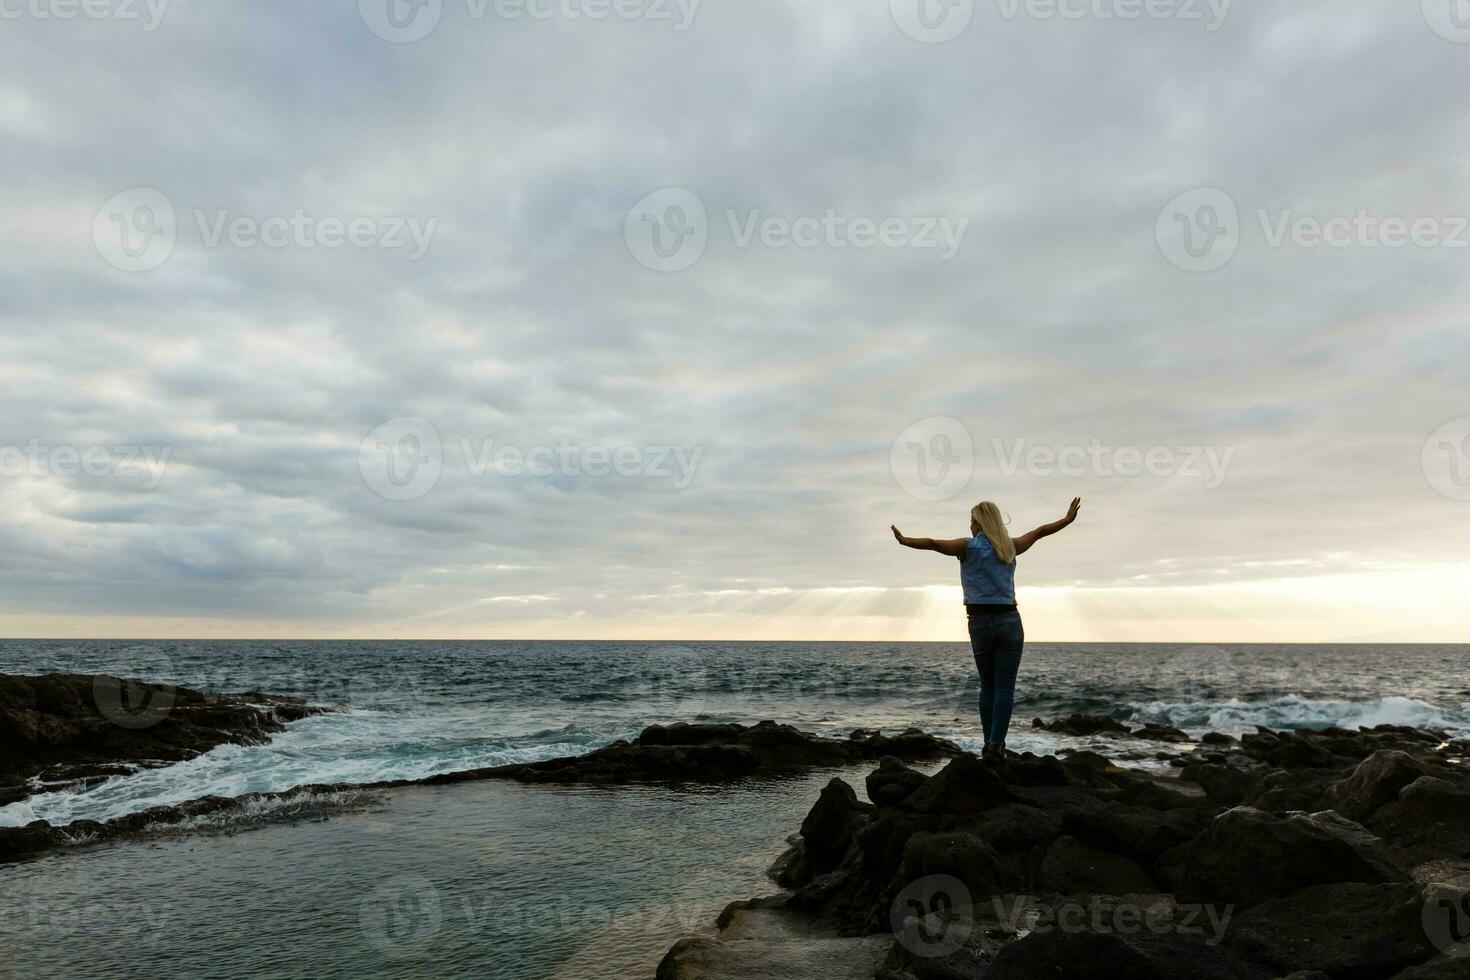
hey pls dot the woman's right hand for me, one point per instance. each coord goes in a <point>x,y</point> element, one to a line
<point>1072,510</point>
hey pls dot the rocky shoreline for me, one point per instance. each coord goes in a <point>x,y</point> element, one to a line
<point>59,730</point>
<point>1300,854</point>
<point>1283,854</point>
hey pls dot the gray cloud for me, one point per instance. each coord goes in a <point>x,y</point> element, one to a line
<point>528,321</point>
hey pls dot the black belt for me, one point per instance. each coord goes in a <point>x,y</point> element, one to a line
<point>986,609</point>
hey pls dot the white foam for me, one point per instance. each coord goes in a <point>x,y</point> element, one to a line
<point>1295,711</point>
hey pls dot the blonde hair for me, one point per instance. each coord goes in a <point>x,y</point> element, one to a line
<point>987,516</point>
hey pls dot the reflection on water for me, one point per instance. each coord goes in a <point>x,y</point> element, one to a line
<point>478,880</point>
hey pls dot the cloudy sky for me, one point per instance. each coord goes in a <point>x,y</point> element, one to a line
<point>572,318</point>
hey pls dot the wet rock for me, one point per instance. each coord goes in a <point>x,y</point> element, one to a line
<point>715,753</point>
<point>1072,867</point>
<point>965,786</point>
<point>1246,856</point>
<point>959,855</point>
<point>1375,781</point>
<point>67,726</point>
<point>829,829</point>
<point>1082,725</point>
<point>1439,968</point>
<point>1430,812</point>
<point>1161,733</point>
<point>892,782</point>
<point>1226,785</point>
<point>1216,738</point>
<point>1093,955</point>
<point>1347,929</point>
<point>1140,834</point>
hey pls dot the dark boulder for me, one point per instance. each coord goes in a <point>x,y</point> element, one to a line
<point>1082,725</point>
<point>1071,867</point>
<point>958,855</point>
<point>1439,968</point>
<point>1161,733</point>
<point>965,786</point>
<point>829,829</point>
<point>892,782</point>
<point>1376,780</point>
<point>1094,955</point>
<point>1226,785</point>
<point>1246,856</point>
<point>1430,812</point>
<point>1138,833</point>
<point>1347,930</point>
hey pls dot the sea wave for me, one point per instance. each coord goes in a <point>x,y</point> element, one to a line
<point>1296,711</point>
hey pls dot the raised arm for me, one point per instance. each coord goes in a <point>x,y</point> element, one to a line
<point>955,547</point>
<point>1025,541</point>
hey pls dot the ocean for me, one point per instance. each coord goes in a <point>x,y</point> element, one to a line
<point>528,883</point>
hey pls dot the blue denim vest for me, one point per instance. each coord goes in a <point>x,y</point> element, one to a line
<point>988,581</point>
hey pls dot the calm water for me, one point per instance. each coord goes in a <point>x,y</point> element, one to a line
<point>532,882</point>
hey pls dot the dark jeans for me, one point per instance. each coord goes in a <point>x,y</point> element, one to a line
<point>997,641</point>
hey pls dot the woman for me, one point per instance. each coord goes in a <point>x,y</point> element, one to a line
<point>988,573</point>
